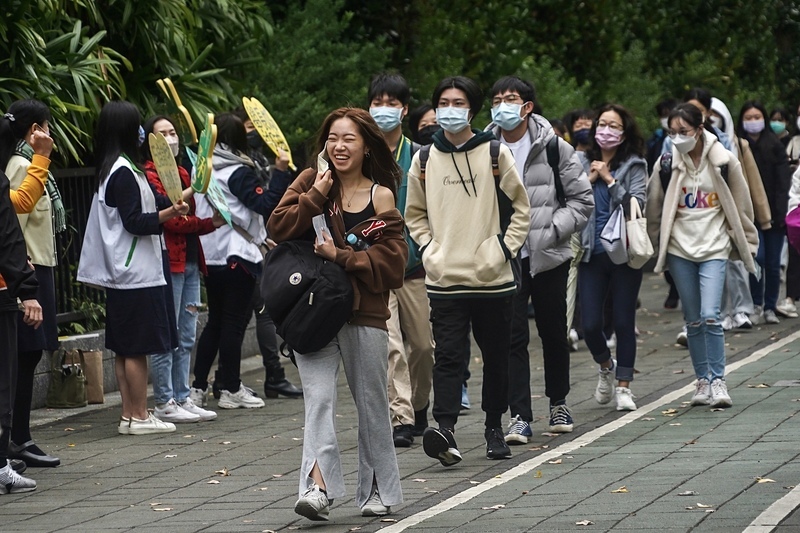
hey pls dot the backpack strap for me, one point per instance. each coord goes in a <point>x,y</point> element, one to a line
<point>666,170</point>
<point>724,171</point>
<point>494,151</point>
<point>553,160</point>
<point>424,154</point>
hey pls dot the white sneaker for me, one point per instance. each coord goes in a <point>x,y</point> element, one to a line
<point>742,321</point>
<point>611,342</point>
<point>605,384</point>
<point>240,398</point>
<point>204,414</point>
<point>625,399</point>
<point>719,394</point>
<point>787,308</point>
<point>728,323</point>
<point>123,428</point>
<point>770,318</point>
<point>172,412</point>
<point>757,316</point>
<point>702,392</point>
<point>573,340</point>
<point>12,483</point>
<point>313,504</point>
<point>374,506</point>
<point>683,337</point>
<point>149,426</point>
<point>198,396</point>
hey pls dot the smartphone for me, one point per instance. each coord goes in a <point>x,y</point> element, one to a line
<point>319,227</point>
<point>322,159</point>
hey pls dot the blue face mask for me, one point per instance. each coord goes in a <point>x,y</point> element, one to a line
<point>507,116</point>
<point>387,118</point>
<point>141,135</point>
<point>452,119</point>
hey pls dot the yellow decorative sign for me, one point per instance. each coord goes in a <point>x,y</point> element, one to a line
<point>267,127</point>
<point>166,167</point>
<point>181,115</point>
<point>205,151</point>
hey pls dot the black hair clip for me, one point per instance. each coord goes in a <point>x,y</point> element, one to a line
<point>10,117</point>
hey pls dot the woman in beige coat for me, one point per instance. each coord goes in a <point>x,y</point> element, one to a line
<point>702,219</point>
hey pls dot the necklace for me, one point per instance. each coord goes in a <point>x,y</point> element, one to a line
<point>344,196</point>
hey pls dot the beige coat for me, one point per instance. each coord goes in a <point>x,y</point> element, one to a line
<point>734,197</point>
<point>37,225</point>
<point>761,210</point>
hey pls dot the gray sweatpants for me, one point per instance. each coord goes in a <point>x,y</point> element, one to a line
<point>736,296</point>
<point>364,352</point>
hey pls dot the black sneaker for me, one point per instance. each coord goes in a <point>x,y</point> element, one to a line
<point>440,444</point>
<point>403,437</point>
<point>496,447</point>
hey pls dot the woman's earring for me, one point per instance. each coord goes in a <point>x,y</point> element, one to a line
<point>368,155</point>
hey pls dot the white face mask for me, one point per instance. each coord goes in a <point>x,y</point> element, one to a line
<point>684,143</point>
<point>717,122</point>
<point>452,119</point>
<point>174,145</point>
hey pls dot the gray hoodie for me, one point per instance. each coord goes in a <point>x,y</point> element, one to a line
<point>551,225</point>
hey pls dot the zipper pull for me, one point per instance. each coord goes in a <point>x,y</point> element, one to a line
<point>311,299</point>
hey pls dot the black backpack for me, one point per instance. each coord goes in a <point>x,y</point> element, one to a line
<point>665,173</point>
<point>308,297</point>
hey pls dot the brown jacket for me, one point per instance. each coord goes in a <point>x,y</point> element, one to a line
<point>763,214</point>
<point>373,272</point>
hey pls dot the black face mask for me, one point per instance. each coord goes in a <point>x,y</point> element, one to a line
<point>254,141</point>
<point>581,136</point>
<point>425,135</point>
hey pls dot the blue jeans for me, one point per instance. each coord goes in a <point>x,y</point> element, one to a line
<point>170,371</point>
<point>700,288</point>
<point>765,291</point>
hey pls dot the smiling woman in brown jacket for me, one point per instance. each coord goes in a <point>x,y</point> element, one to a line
<point>358,194</point>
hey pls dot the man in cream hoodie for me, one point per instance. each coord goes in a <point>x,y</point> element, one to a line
<point>470,226</point>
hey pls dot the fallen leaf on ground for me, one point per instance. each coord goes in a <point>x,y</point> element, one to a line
<point>267,531</point>
<point>703,506</point>
<point>225,442</point>
<point>474,482</point>
<point>676,424</point>
<point>432,491</point>
<point>69,429</point>
<point>296,438</point>
<point>689,508</point>
<point>790,487</point>
<point>715,409</point>
<point>277,475</point>
<point>71,445</point>
<point>525,492</point>
<point>248,521</point>
<point>354,528</point>
<point>420,480</point>
<point>538,474</point>
<point>162,508</point>
<point>170,456</point>
<point>621,490</point>
<point>535,449</point>
<point>388,520</point>
<point>681,371</point>
<point>212,482</point>
<point>545,446</point>
<point>155,503</point>
<point>556,462</point>
<point>261,489</point>
<point>709,510</point>
<point>648,419</point>
<point>494,507</point>
<point>759,386</point>
<point>224,472</point>
<point>764,480</point>
<point>669,412</point>
<point>688,493</point>
<point>693,441</point>
<point>584,523</point>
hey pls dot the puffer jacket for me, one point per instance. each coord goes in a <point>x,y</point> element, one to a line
<point>547,243</point>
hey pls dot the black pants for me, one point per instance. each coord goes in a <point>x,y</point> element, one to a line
<point>26,368</point>
<point>230,292</point>
<point>267,338</point>
<point>548,292</point>
<point>490,319</point>
<point>8,377</point>
<point>793,274</point>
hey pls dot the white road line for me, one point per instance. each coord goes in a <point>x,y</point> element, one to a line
<point>584,440</point>
<point>772,516</point>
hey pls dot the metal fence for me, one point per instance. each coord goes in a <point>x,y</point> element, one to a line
<point>73,299</point>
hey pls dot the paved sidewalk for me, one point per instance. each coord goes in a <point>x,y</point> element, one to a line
<point>109,482</point>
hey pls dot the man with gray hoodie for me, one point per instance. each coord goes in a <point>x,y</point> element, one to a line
<point>561,203</point>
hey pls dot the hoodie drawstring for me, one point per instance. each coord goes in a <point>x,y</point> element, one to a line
<point>469,169</point>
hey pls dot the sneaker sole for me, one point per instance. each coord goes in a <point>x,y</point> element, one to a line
<point>492,457</point>
<point>309,511</point>
<point>701,401</point>
<point>626,408</point>
<point>225,405</point>
<point>15,490</point>
<point>515,439</point>
<point>721,403</point>
<point>149,431</point>
<point>602,401</point>
<point>562,428</point>
<point>437,447</point>
<point>368,511</point>
<point>178,420</point>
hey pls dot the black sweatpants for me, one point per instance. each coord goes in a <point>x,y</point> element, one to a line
<point>8,377</point>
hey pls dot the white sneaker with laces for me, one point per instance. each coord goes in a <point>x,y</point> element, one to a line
<point>204,414</point>
<point>313,504</point>
<point>198,396</point>
<point>702,392</point>
<point>625,399</point>
<point>742,321</point>
<point>757,316</point>
<point>123,428</point>
<point>605,384</point>
<point>172,412</point>
<point>719,394</point>
<point>611,342</point>
<point>11,482</point>
<point>240,398</point>
<point>683,337</point>
<point>787,308</point>
<point>727,323</point>
<point>149,426</point>
<point>374,506</point>
<point>770,318</point>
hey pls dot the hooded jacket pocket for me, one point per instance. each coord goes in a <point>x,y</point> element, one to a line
<point>490,260</point>
<point>433,262</point>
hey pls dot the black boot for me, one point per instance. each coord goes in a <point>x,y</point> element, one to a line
<point>420,421</point>
<point>274,386</point>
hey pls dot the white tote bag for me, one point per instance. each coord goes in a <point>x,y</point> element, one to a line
<point>640,249</point>
<point>613,237</point>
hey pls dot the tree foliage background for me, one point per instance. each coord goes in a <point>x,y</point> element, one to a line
<point>303,58</point>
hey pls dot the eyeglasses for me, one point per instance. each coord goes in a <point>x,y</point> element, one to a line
<point>508,99</point>
<point>613,125</point>
<point>682,131</point>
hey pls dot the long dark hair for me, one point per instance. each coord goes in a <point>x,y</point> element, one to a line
<point>231,133</point>
<point>747,106</point>
<point>380,166</point>
<point>633,145</point>
<point>148,129</point>
<point>116,134</point>
<point>14,125</point>
<point>689,113</point>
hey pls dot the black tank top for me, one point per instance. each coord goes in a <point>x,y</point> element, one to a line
<point>353,219</point>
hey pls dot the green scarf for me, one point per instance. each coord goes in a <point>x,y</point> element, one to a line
<point>59,213</point>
